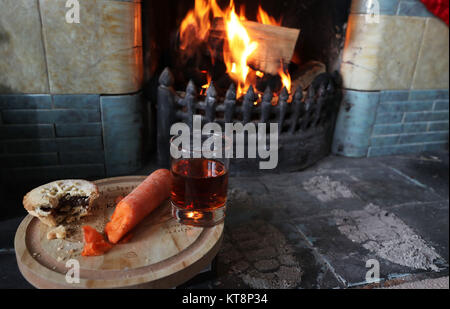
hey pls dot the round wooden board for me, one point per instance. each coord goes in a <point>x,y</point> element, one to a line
<point>161,254</point>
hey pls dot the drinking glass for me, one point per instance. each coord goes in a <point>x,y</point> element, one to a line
<point>199,179</point>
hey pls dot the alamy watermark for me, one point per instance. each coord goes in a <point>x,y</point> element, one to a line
<point>373,275</point>
<point>251,140</point>
<point>373,12</point>
<point>73,274</point>
<point>73,14</point>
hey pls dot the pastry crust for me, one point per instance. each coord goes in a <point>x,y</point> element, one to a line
<point>57,233</point>
<point>61,201</point>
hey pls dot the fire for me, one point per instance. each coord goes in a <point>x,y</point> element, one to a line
<point>238,49</point>
<point>196,24</point>
<point>285,78</point>
<point>206,86</point>
<point>266,19</point>
<point>238,45</point>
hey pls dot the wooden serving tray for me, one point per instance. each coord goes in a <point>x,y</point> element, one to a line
<point>161,254</point>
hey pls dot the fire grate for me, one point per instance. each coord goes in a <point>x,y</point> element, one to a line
<point>305,119</point>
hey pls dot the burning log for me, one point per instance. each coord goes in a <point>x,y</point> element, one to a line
<point>305,75</point>
<point>275,43</point>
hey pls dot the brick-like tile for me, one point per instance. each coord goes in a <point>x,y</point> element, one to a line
<point>439,126</point>
<point>21,101</point>
<point>429,95</point>
<point>73,144</point>
<point>384,140</point>
<point>30,146</point>
<point>412,106</point>
<point>21,131</point>
<point>415,127</point>
<point>383,118</point>
<point>383,129</point>
<point>423,137</point>
<point>394,95</point>
<point>82,157</point>
<point>125,109</point>
<point>49,116</point>
<point>399,128</point>
<point>426,116</point>
<point>122,133</point>
<point>123,143</point>
<point>77,101</point>
<point>78,129</point>
<point>441,105</point>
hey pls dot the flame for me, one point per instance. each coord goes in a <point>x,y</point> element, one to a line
<point>237,49</point>
<point>238,45</point>
<point>285,78</point>
<point>242,13</point>
<point>196,24</point>
<point>206,86</point>
<point>266,19</point>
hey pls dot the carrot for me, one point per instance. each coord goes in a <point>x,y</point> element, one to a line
<point>138,204</point>
<point>94,243</point>
<point>96,249</point>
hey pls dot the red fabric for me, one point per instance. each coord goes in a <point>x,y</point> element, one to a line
<point>438,8</point>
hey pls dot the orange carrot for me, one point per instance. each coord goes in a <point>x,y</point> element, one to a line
<point>94,243</point>
<point>96,249</point>
<point>138,204</point>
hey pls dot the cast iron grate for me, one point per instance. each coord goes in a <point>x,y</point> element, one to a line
<point>305,119</point>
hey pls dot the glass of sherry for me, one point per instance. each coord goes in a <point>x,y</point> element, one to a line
<point>199,171</point>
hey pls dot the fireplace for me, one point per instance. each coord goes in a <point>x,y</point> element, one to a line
<point>85,105</point>
<point>297,89</point>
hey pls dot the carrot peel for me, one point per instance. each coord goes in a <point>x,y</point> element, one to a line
<point>95,244</point>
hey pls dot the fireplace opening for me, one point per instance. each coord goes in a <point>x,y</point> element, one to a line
<point>321,25</point>
<point>263,62</point>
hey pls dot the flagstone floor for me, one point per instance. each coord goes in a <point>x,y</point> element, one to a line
<point>340,224</point>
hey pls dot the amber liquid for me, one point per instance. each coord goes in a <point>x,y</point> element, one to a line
<point>199,184</point>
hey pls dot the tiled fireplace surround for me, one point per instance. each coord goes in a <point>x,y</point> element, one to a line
<point>70,94</point>
<point>71,106</point>
<point>396,75</point>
